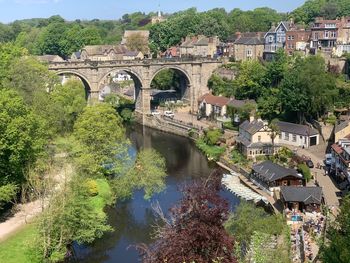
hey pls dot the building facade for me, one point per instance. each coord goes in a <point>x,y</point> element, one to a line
<point>324,34</point>
<point>200,46</point>
<point>297,135</point>
<point>275,38</point>
<point>248,48</point>
<point>297,40</point>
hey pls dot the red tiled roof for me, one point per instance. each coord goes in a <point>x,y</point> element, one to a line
<point>337,148</point>
<point>214,100</point>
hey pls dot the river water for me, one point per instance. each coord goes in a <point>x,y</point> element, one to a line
<point>133,220</point>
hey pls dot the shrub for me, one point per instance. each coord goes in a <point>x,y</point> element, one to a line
<point>126,115</point>
<point>238,158</point>
<point>212,151</point>
<point>92,187</point>
<point>302,168</point>
<point>212,136</point>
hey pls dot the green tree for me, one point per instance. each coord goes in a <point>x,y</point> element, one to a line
<point>277,68</point>
<point>8,53</point>
<point>269,104</point>
<point>166,79</point>
<point>102,146</point>
<point>221,86</point>
<point>251,80</point>
<point>338,235</point>
<point>307,89</point>
<point>23,136</point>
<point>67,103</point>
<point>30,79</point>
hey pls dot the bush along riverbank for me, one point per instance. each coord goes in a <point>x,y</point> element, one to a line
<point>209,142</point>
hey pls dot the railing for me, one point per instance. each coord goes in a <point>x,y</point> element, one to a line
<point>96,63</point>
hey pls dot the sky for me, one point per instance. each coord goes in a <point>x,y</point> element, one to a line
<point>11,10</point>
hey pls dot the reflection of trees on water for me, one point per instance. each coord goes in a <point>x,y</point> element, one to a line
<point>128,231</point>
<point>133,220</point>
<point>183,160</point>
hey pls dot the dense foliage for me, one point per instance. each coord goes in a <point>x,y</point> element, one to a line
<point>338,234</point>
<point>195,231</point>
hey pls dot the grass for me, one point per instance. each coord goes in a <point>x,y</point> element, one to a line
<point>213,152</point>
<point>104,196</point>
<point>17,248</point>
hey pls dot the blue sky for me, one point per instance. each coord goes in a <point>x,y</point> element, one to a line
<point>11,10</point>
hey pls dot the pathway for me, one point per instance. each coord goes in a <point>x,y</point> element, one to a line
<point>28,211</point>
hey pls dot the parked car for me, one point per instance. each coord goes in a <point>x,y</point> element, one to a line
<point>155,113</point>
<point>169,114</point>
<point>328,159</point>
<point>309,163</point>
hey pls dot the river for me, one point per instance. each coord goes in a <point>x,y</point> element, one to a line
<point>133,220</point>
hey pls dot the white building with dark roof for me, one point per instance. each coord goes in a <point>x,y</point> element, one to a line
<point>297,135</point>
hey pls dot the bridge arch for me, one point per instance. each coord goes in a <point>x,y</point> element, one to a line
<point>184,80</point>
<point>83,78</point>
<point>137,79</point>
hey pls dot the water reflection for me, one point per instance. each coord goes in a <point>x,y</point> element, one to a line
<point>133,220</point>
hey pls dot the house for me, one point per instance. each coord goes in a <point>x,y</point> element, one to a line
<point>254,139</point>
<point>75,56</point>
<point>297,40</point>
<point>49,58</point>
<point>343,39</point>
<point>143,34</point>
<point>341,130</point>
<point>324,34</point>
<point>276,37</point>
<point>132,55</point>
<point>303,199</point>
<point>209,105</point>
<point>248,48</point>
<point>297,135</point>
<point>270,176</point>
<point>340,164</point>
<point>199,46</point>
<point>103,52</point>
<point>172,52</point>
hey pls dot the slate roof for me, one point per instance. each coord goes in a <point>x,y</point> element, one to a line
<point>341,126</point>
<point>131,53</point>
<point>250,41</point>
<point>214,100</point>
<point>252,127</point>
<point>49,58</point>
<point>240,103</point>
<point>93,50</point>
<point>293,128</point>
<point>306,195</point>
<point>272,172</point>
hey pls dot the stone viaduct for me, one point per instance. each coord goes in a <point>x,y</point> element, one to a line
<point>95,74</point>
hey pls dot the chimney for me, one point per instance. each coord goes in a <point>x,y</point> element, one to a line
<point>251,118</point>
<point>238,35</point>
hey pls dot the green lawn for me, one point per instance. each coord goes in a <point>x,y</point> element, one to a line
<point>17,248</point>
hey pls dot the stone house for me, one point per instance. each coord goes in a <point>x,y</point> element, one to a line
<point>172,52</point>
<point>50,58</point>
<point>103,52</point>
<point>270,176</point>
<point>254,139</point>
<point>297,39</point>
<point>340,164</point>
<point>132,55</point>
<point>324,34</point>
<point>341,130</point>
<point>343,40</point>
<point>248,48</point>
<point>199,46</point>
<point>297,135</point>
<point>210,105</point>
<point>303,199</point>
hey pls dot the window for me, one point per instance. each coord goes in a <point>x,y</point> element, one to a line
<point>286,136</point>
<point>294,138</point>
<point>259,138</point>
<point>249,52</point>
<point>289,37</point>
<point>316,35</point>
<point>326,34</point>
<point>333,34</point>
<point>270,39</point>
<point>292,37</point>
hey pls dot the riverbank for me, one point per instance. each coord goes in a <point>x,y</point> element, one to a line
<point>19,244</point>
